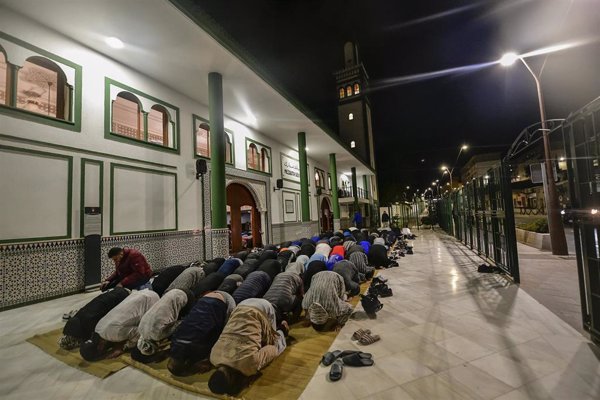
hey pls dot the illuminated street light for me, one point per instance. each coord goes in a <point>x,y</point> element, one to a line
<point>555,224</point>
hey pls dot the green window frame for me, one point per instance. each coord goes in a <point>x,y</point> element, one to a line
<point>110,135</point>
<point>260,147</point>
<point>198,120</point>
<point>73,123</point>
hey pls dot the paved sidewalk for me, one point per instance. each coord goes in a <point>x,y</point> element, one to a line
<point>451,333</point>
<point>553,281</point>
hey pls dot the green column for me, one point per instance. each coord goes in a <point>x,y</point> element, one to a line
<point>354,189</point>
<point>14,76</point>
<point>303,177</point>
<point>366,184</point>
<point>334,186</point>
<point>218,199</point>
<point>145,126</point>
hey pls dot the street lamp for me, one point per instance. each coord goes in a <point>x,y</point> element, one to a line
<point>445,170</point>
<point>555,225</point>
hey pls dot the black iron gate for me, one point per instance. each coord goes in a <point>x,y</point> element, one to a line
<point>481,215</point>
<point>582,141</point>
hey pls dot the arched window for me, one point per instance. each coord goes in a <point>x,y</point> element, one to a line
<point>3,78</point>
<point>342,93</point>
<point>42,88</point>
<point>348,90</point>
<point>158,125</point>
<point>264,160</point>
<point>356,88</point>
<point>127,116</point>
<point>317,180</point>
<point>228,148</point>
<point>203,140</point>
<point>253,158</point>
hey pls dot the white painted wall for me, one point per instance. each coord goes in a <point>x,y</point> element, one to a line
<point>40,216</point>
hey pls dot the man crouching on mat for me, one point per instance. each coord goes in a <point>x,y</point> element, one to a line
<point>117,331</point>
<point>249,342</point>
<point>324,302</point>
<point>194,338</point>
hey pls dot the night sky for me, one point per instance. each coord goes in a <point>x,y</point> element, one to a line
<point>300,45</point>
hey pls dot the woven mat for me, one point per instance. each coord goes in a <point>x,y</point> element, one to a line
<point>48,343</point>
<point>284,379</point>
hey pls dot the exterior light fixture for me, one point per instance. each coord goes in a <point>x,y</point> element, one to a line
<point>114,42</point>
<point>562,212</point>
<point>561,159</point>
<point>464,147</point>
<point>352,144</point>
<point>594,211</point>
<point>350,116</point>
<point>508,59</point>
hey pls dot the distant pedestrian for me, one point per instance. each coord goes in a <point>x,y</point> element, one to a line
<point>385,220</point>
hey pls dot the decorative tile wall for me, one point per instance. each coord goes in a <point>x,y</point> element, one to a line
<point>160,249</point>
<point>37,271</point>
<point>219,242</point>
<point>294,230</point>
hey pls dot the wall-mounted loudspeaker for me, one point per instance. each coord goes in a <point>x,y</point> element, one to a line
<point>278,184</point>
<point>200,167</point>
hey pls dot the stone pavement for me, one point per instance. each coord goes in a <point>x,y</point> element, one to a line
<point>451,333</point>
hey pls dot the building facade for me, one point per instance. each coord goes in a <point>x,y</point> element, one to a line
<point>166,140</point>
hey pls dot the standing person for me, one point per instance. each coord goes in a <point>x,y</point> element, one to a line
<point>358,219</point>
<point>249,342</point>
<point>385,220</point>
<point>131,269</point>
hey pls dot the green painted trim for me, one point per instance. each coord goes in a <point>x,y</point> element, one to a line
<point>228,131</point>
<point>204,21</point>
<point>83,151</point>
<point>109,135</point>
<point>75,124</point>
<point>114,166</point>
<point>270,158</point>
<point>85,161</point>
<point>324,185</point>
<point>145,127</point>
<point>69,194</point>
<point>281,155</point>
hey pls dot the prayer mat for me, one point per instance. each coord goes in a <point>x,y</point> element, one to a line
<point>284,379</point>
<point>48,343</point>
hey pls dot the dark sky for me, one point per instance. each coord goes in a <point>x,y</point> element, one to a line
<point>299,43</point>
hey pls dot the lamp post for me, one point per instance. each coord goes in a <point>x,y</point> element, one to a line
<point>449,171</point>
<point>555,225</point>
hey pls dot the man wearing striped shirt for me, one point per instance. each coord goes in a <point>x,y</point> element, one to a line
<point>285,294</point>
<point>324,301</point>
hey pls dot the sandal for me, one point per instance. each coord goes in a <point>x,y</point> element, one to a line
<point>360,333</point>
<point>360,354</point>
<point>69,315</point>
<point>336,371</point>
<point>368,339</point>
<point>355,360</point>
<point>330,357</point>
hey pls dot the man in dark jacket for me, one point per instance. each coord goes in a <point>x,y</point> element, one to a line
<point>131,269</point>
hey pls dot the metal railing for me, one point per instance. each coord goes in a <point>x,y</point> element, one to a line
<point>346,191</point>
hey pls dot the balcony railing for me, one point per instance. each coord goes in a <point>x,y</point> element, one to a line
<point>346,191</point>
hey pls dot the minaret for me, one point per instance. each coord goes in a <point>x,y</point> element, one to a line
<point>354,108</point>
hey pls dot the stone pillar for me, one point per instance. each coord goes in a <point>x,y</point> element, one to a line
<point>334,192</point>
<point>13,71</point>
<point>218,197</point>
<point>304,199</point>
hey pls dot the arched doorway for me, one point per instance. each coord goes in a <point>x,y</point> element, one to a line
<point>243,218</point>
<point>326,216</point>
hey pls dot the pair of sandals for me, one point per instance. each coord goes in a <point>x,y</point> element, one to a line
<point>381,290</point>
<point>338,359</point>
<point>364,337</point>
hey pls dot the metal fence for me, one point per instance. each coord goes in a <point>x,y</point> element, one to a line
<point>481,215</point>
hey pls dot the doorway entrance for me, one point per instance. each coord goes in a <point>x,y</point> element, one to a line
<point>243,218</point>
<point>326,216</point>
